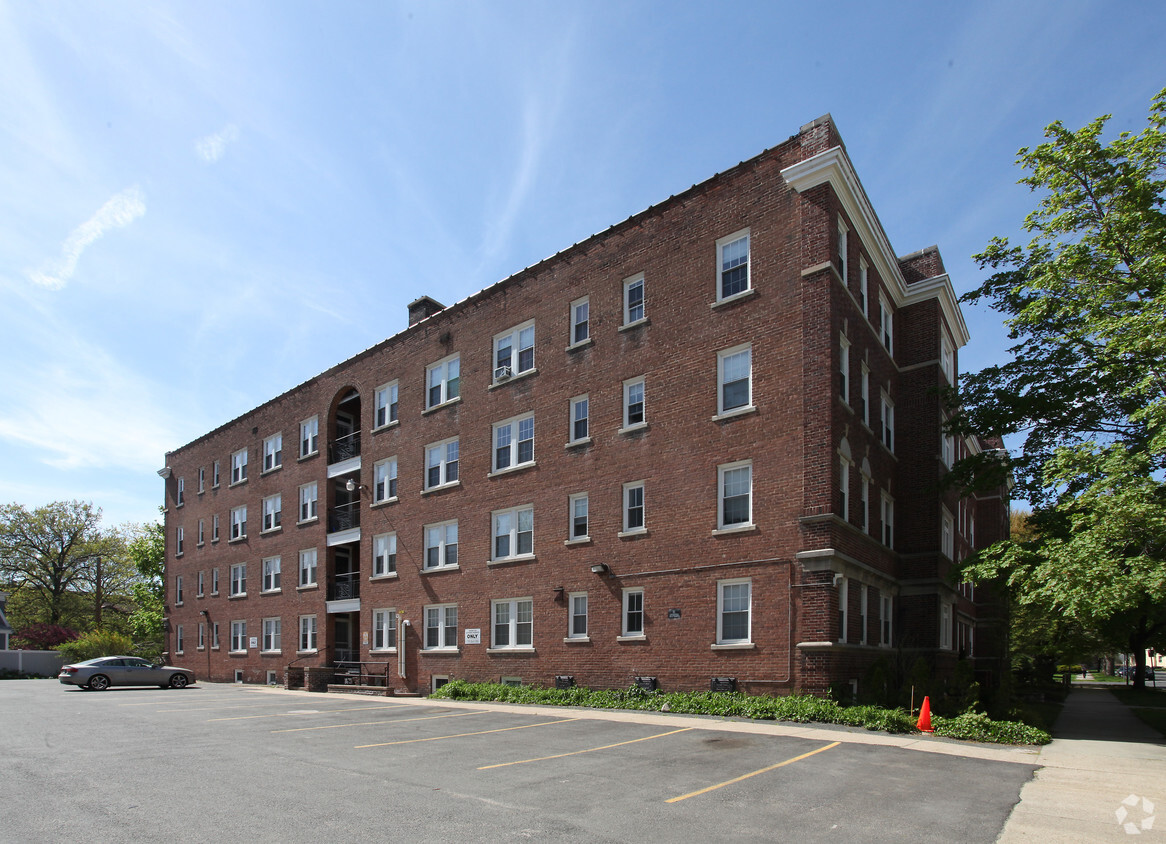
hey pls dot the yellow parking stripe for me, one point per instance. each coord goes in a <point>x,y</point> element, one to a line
<point>321,712</point>
<point>464,735</point>
<point>747,776</point>
<point>371,723</point>
<point>588,750</point>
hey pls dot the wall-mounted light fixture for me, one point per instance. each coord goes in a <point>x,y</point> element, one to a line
<point>838,578</point>
<point>600,568</point>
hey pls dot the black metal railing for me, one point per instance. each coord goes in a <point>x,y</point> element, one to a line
<point>344,447</point>
<point>343,587</point>
<point>344,516</point>
<point>351,672</point>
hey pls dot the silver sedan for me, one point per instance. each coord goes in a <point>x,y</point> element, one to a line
<point>105,671</point>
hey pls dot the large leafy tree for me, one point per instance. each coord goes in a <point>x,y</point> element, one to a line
<point>148,552</point>
<point>1085,388</point>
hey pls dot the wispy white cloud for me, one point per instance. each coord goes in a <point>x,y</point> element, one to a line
<point>121,210</point>
<point>213,147</point>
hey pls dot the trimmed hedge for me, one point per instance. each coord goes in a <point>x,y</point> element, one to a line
<point>796,708</point>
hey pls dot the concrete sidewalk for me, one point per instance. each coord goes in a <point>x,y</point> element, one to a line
<point>1101,755</point>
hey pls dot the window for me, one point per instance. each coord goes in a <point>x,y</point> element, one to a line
<point>239,522</point>
<point>578,529</point>
<point>886,325</point>
<point>215,474</point>
<point>513,533</point>
<point>238,579</point>
<point>272,512</point>
<point>384,630</point>
<point>945,626</point>
<point>577,628</point>
<point>863,598</point>
<point>178,639</point>
<point>843,602</point>
<point>843,249</point>
<point>513,623</point>
<point>178,589</point>
<point>580,431</point>
<point>307,633</point>
<point>514,352</point>
<point>239,466</point>
<point>441,626</point>
<point>948,455</point>
<point>844,369</point>
<point>238,636</point>
<point>633,300</point>
<point>864,501</point>
<point>308,567</point>
<point>736,499</point>
<point>844,485</point>
<point>309,499</point>
<point>215,635</point>
<point>309,436</point>
<point>201,582</point>
<point>633,403</point>
<point>947,359</point>
<point>444,381</point>
<point>734,379</point>
<point>733,265</point>
<point>580,321</point>
<point>201,532</point>
<point>384,554</point>
<point>888,521</point>
<point>888,415</point>
<point>385,412</point>
<point>215,528</point>
<point>864,397</point>
<point>514,443</point>
<point>734,600</point>
<point>633,507</point>
<point>441,545</point>
<point>863,284</point>
<point>885,607</point>
<point>179,536</point>
<point>633,612</point>
<point>180,495</point>
<point>201,480</point>
<point>947,534</point>
<point>384,481</point>
<point>271,567</point>
<point>273,452</point>
<point>214,581</point>
<point>441,463</point>
<point>271,634</point>
<point>201,636</point>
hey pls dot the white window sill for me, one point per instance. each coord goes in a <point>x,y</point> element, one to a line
<point>632,534</point>
<point>275,591</point>
<point>734,646</point>
<point>215,541</point>
<point>178,603</point>
<point>236,595</point>
<point>390,424</point>
<point>573,640</point>
<point>517,376</point>
<point>269,530</point>
<point>638,637</point>
<point>201,544</point>
<point>237,653</point>
<point>729,531</point>
<point>440,569</point>
<point>234,484</point>
<point>383,502</point>
<point>631,429</point>
<point>214,487</point>
<point>438,407</point>
<point>272,469</point>
<point>581,540</point>
<point>453,650</point>
<point>200,648</point>
<point>442,487</point>
<point>509,470</point>
<point>200,595</point>
<point>215,594</point>
<point>308,521</point>
<point>177,554</point>
<point>628,326</point>
<point>517,558</point>
<point>240,538</point>
<point>382,650</point>
<point>276,652</point>
<point>734,413</point>
<point>179,653</point>
<point>308,652</point>
<point>392,575</point>
<point>179,506</point>
<point>582,344</point>
<point>305,457</point>
<point>578,443</point>
<point>735,298</point>
<point>525,649</point>
<point>215,648</point>
<point>307,586</point>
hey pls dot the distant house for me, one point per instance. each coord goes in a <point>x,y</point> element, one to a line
<point>5,630</point>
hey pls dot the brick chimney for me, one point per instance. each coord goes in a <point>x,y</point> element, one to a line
<point>423,308</point>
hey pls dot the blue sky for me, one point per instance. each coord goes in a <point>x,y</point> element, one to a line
<point>205,204</point>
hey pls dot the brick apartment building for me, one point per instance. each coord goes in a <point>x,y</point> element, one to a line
<point>704,443</point>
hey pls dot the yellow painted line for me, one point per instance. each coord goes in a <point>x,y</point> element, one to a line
<point>291,714</point>
<point>371,723</point>
<point>747,776</point>
<point>588,750</point>
<point>464,735</point>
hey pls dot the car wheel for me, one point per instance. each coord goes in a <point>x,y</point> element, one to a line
<point>178,681</point>
<point>98,682</point>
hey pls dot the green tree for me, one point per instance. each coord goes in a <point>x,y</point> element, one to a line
<point>147,550</point>
<point>1085,387</point>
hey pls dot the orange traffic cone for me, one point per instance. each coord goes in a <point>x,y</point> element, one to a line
<point>924,723</point>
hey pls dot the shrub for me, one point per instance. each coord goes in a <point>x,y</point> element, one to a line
<point>95,644</point>
<point>42,637</point>
<point>977,726</point>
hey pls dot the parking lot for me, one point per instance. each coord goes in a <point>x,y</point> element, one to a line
<point>216,762</point>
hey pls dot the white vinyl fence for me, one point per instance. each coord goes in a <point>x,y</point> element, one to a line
<point>45,663</point>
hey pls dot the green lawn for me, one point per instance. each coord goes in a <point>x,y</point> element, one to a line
<point>1149,705</point>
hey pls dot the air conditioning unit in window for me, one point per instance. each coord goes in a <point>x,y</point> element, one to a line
<point>502,373</point>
